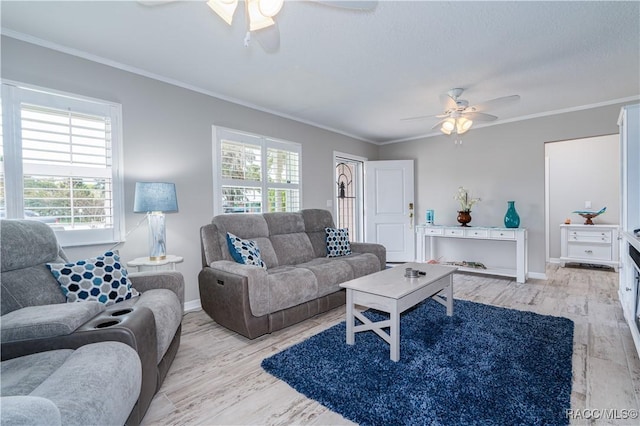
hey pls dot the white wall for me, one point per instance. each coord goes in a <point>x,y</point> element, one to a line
<point>167,137</point>
<point>580,170</point>
<point>497,163</point>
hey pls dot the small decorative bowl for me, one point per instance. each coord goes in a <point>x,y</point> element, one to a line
<point>590,215</point>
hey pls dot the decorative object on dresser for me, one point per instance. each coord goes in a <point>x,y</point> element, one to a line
<point>511,218</point>
<point>486,365</point>
<point>590,244</point>
<point>588,214</point>
<point>516,238</point>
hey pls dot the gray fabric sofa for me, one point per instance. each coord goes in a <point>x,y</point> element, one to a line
<point>37,318</point>
<point>299,281</point>
<point>96,384</point>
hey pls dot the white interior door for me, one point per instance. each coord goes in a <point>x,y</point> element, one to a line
<point>388,213</point>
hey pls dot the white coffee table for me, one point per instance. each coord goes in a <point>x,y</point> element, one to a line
<point>389,291</point>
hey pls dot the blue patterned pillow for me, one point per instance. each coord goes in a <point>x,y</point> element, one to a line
<point>101,278</point>
<point>337,242</point>
<point>244,251</point>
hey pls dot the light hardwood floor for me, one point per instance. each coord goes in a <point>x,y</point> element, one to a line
<point>216,377</point>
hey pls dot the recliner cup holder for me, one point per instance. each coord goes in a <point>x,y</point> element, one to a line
<point>121,312</point>
<point>107,324</point>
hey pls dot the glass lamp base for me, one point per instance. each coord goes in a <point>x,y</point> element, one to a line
<point>157,236</point>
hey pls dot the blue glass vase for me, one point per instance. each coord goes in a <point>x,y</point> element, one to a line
<point>511,218</point>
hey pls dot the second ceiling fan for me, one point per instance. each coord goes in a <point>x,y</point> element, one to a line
<point>458,115</point>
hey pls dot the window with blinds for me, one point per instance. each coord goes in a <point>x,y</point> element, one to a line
<point>255,174</point>
<point>59,164</point>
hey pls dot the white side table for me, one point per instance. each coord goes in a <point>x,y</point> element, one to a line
<point>146,264</point>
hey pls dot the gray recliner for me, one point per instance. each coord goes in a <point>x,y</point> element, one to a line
<point>37,318</point>
<point>96,384</point>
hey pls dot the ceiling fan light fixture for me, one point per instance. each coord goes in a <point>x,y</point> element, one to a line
<point>257,20</point>
<point>462,125</point>
<point>270,8</point>
<point>224,9</point>
<point>448,126</point>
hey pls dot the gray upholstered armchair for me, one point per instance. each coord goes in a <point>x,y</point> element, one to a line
<point>36,316</point>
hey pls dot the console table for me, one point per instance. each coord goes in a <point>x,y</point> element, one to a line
<point>515,237</point>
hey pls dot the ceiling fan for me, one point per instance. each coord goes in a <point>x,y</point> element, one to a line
<point>458,116</point>
<point>260,16</point>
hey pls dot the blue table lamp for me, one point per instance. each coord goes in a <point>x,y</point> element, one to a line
<point>156,199</point>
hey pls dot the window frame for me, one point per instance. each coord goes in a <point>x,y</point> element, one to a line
<point>265,143</point>
<point>13,95</point>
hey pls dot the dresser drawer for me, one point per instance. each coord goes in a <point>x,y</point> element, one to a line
<point>503,235</point>
<point>589,251</point>
<point>476,233</point>
<point>433,231</point>
<point>455,232</point>
<point>590,236</point>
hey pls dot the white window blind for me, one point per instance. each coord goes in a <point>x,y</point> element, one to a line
<point>255,174</point>
<point>61,164</point>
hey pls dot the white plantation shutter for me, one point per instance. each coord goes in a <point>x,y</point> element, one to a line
<point>255,174</point>
<point>62,164</point>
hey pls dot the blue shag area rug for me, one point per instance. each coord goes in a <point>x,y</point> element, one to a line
<point>484,366</point>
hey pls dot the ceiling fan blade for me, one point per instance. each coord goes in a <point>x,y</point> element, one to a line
<point>420,117</point>
<point>448,102</point>
<point>493,103</point>
<point>352,4</point>
<point>479,116</point>
<point>268,38</point>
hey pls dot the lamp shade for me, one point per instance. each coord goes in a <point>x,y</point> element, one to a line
<point>155,197</point>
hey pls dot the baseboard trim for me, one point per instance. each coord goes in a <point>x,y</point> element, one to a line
<point>554,260</point>
<point>538,275</point>
<point>192,305</point>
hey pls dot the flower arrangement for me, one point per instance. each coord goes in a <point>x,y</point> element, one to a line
<point>466,202</point>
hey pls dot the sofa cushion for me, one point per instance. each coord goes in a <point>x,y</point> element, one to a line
<point>362,263</point>
<point>329,272</point>
<point>98,384</point>
<point>315,221</point>
<point>22,375</point>
<point>29,410</point>
<point>338,242</point>
<point>101,278</point>
<point>244,251</point>
<point>250,226</point>
<point>288,286</point>
<point>59,319</point>
<point>292,249</point>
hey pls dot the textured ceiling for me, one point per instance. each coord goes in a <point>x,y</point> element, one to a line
<point>360,72</point>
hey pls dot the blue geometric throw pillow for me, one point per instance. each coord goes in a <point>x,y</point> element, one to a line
<point>244,251</point>
<point>101,279</point>
<point>338,242</point>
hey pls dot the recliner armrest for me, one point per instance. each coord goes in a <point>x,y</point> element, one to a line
<point>378,249</point>
<point>35,322</point>
<point>171,280</point>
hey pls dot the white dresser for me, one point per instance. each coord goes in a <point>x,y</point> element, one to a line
<point>592,244</point>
